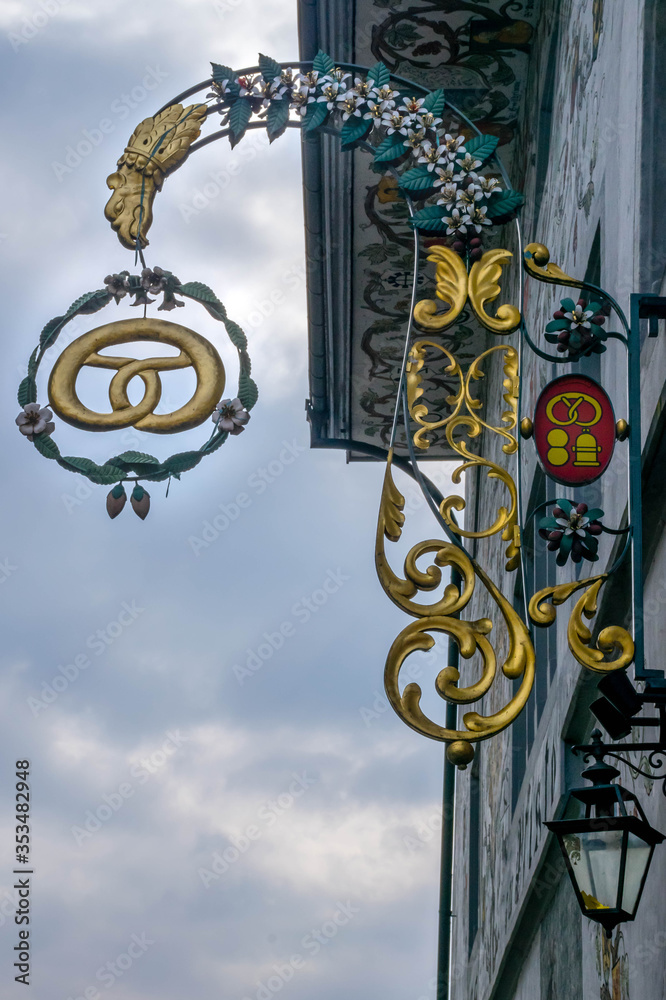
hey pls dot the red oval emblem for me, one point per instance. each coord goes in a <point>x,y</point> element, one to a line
<point>574,430</point>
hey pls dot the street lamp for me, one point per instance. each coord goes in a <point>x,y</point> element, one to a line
<point>608,850</point>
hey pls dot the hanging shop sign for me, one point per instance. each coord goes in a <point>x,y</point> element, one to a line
<point>574,430</point>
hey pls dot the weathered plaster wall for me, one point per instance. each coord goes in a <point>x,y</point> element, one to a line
<point>582,165</point>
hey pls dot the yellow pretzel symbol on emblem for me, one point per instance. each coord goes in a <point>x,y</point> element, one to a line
<point>572,401</point>
<point>195,352</point>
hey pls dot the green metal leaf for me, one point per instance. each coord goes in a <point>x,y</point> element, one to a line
<point>380,75</point>
<point>27,391</point>
<point>105,475</point>
<point>568,305</point>
<point>182,461</point>
<point>240,113</point>
<point>236,335</point>
<point>390,149</point>
<point>323,64</point>
<point>354,130</point>
<point>505,204</point>
<point>564,549</point>
<point>50,331</point>
<point>594,514</point>
<point>418,179</point>
<point>32,362</point>
<point>482,146</point>
<point>46,445</point>
<point>247,391</point>
<point>277,117</point>
<point>565,505</point>
<point>434,102</point>
<point>429,219</point>
<point>315,116</point>
<point>269,68</point>
<point>222,73</point>
<point>89,303</point>
<point>557,324</point>
<point>131,458</point>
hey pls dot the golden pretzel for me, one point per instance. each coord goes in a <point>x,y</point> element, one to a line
<point>195,352</point>
<point>572,400</point>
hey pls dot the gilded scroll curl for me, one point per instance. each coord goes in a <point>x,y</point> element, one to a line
<point>483,285</point>
<point>454,286</point>
<point>451,281</point>
<point>536,260</point>
<point>465,416</point>
<point>611,640</point>
<point>470,636</point>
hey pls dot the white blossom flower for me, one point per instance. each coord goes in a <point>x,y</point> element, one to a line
<point>468,163</point>
<point>444,176</point>
<point>230,416</point>
<point>350,105</point>
<point>340,77</point>
<point>34,420</point>
<point>429,155</point>
<point>300,101</point>
<point>329,94</point>
<point>449,196</point>
<point>451,146</point>
<point>308,82</point>
<point>415,139</point>
<point>219,89</point>
<point>579,317</point>
<point>411,106</point>
<point>374,112</point>
<point>362,88</point>
<point>479,218</point>
<point>117,284</point>
<point>249,86</point>
<point>574,524</point>
<point>394,122</point>
<point>385,96</point>
<point>426,119</point>
<point>286,79</point>
<point>456,222</point>
<point>488,185</point>
<point>468,196</point>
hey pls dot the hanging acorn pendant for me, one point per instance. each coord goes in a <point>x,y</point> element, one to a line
<point>116,500</point>
<point>140,501</point>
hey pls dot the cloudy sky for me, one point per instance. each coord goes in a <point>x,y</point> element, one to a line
<point>262,830</point>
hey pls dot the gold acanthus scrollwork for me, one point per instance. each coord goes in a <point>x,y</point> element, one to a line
<point>536,260</point>
<point>473,425</point>
<point>157,146</point>
<point>441,616</point>
<point>454,286</point>
<point>612,639</point>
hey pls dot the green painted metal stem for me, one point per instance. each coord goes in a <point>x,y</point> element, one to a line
<point>446,867</point>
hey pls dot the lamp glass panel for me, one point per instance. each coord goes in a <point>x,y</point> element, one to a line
<point>638,858</point>
<point>595,863</point>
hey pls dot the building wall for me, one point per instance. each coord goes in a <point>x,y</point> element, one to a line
<point>587,164</point>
